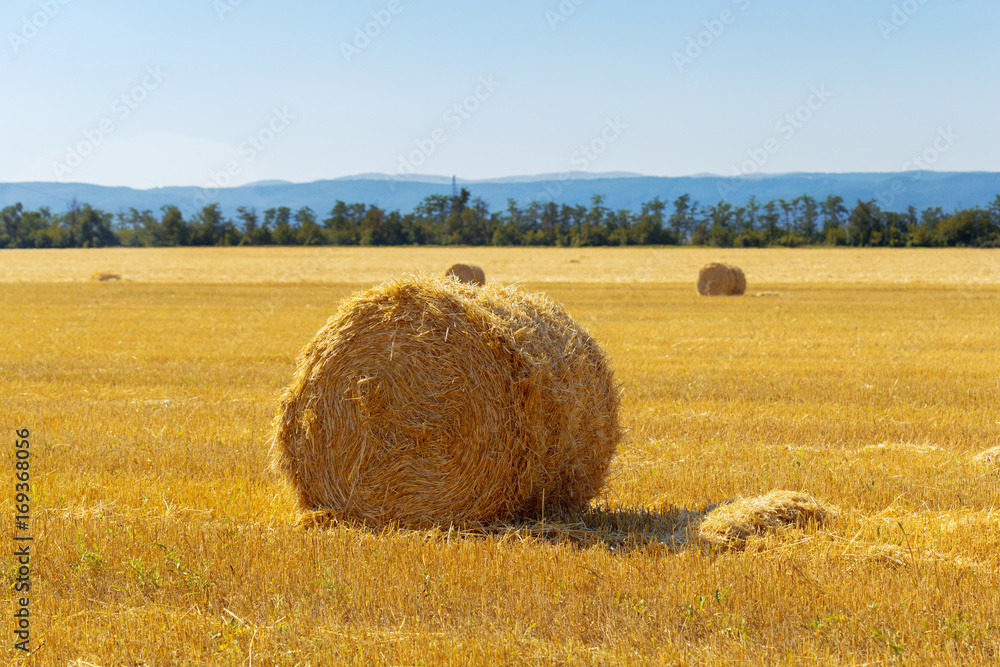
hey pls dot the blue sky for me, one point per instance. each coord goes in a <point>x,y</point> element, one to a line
<point>202,92</point>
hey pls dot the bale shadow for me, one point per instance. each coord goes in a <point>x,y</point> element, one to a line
<point>616,529</point>
<point>715,527</point>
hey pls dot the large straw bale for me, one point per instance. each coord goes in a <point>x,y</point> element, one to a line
<point>717,279</point>
<point>426,400</point>
<point>733,523</point>
<point>467,273</point>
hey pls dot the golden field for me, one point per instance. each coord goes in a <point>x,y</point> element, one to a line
<point>355,266</point>
<point>869,379</point>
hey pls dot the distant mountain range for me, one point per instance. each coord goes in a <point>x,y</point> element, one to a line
<point>621,190</point>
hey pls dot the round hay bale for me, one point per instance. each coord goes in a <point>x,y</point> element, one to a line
<point>479,275</point>
<point>734,522</point>
<point>717,279</point>
<point>467,273</point>
<point>428,401</point>
<point>739,281</point>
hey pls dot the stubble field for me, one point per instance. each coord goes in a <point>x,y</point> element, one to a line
<point>869,379</point>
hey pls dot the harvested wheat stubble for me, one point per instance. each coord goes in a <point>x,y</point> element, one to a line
<point>467,273</point>
<point>988,457</point>
<point>733,523</point>
<point>427,401</point>
<point>721,280</point>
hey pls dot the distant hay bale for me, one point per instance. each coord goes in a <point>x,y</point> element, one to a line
<point>721,280</point>
<point>733,523</point>
<point>429,401</point>
<point>104,276</point>
<point>989,457</point>
<point>467,273</point>
<point>739,281</point>
<point>714,280</point>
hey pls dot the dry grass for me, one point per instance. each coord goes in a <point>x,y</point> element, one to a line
<point>734,523</point>
<point>988,457</point>
<point>161,538</point>
<point>428,401</point>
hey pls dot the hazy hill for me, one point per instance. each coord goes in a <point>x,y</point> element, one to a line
<point>895,191</point>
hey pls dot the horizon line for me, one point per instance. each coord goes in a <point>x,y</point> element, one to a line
<point>519,178</point>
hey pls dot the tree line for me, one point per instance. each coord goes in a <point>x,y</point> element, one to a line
<point>461,220</point>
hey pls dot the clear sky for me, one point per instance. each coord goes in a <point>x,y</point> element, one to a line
<point>149,94</point>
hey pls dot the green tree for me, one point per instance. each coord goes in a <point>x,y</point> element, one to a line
<point>995,223</point>
<point>139,229</point>
<point>518,226</point>
<point>591,229</point>
<point>552,226</point>
<point>924,233</point>
<point>342,226</point>
<point>468,223</point>
<point>682,220</point>
<point>208,226</point>
<point>308,231</point>
<point>619,227</point>
<point>280,220</point>
<point>808,218</point>
<point>87,227</point>
<point>370,232</point>
<point>176,231</point>
<point>834,212</point>
<point>453,226</point>
<point>699,235</point>
<point>769,221</point>
<point>895,229</point>
<point>251,233</point>
<point>787,215</point>
<point>747,234</point>
<point>865,224</point>
<point>970,228</point>
<point>11,228</point>
<point>41,229</point>
<point>394,229</point>
<point>648,228</point>
<point>720,231</point>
